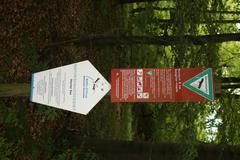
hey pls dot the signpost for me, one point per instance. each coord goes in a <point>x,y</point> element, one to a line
<point>162,85</point>
<point>79,87</point>
<point>76,87</point>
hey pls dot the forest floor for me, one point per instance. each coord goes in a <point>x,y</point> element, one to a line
<point>28,26</point>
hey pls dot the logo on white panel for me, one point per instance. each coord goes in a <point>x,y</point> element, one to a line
<point>90,86</point>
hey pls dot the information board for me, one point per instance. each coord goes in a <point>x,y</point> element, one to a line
<point>162,85</point>
<point>76,87</point>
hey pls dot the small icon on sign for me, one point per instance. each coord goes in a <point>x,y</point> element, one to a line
<point>97,80</point>
<point>146,95</point>
<point>139,72</point>
<point>139,84</point>
<point>150,73</point>
<point>139,95</point>
<point>139,89</point>
<point>139,78</point>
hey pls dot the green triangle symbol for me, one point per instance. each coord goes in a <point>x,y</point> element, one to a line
<point>202,84</point>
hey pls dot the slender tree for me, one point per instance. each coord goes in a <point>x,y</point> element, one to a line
<point>230,86</point>
<point>232,21</point>
<point>230,80</point>
<point>141,9</point>
<point>223,83</point>
<point>104,40</point>
<point>233,96</point>
<point>136,1</point>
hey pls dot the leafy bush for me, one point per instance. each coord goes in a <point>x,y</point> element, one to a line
<point>6,149</point>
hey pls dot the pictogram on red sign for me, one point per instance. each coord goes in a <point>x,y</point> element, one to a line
<point>162,85</point>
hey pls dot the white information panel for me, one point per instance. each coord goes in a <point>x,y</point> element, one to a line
<point>76,87</point>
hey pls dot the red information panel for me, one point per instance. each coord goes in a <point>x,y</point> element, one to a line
<point>162,85</point>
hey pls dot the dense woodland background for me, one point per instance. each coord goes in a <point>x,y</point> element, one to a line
<point>39,34</point>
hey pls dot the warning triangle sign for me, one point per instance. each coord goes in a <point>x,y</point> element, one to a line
<point>202,84</point>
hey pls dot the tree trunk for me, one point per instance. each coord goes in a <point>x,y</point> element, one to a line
<point>141,9</point>
<point>231,80</point>
<point>223,12</point>
<point>199,40</point>
<point>15,89</point>
<point>104,40</point>
<point>232,96</point>
<point>200,21</point>
<point>226,83</point>
<point>230,86</point>
<point>135,1</point>
<point>130,150</point>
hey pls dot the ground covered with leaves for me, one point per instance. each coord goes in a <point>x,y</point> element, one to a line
<point>31,131</point>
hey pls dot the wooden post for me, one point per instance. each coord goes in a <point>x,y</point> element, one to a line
<point>14,89</point>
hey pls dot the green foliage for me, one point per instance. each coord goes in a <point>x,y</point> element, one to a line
<point>65,156</point>
<point>76,154</point>
<point>7,150</point>
<point>16,130</point>
<point>90,156</point>
<point>228,129</point>
<point>31,56</point>
<point>188,125</point>
<point>49,112</point>
<point>185,123</point>
<point>125,129</point>
<point>101,122</point>
<point>229,59</point>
